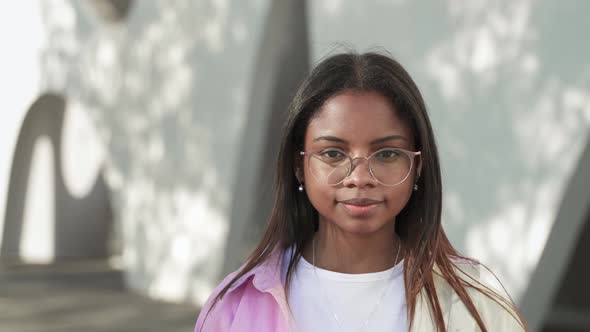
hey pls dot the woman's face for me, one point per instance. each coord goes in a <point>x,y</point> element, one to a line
<point>358,124</point>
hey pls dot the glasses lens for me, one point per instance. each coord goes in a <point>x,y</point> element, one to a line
<point>330,166</point>
<point>390,166</point>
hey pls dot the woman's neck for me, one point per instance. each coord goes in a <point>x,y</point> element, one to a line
<point>343,252</point>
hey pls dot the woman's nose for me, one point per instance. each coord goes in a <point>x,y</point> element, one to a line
<point>360,174</point>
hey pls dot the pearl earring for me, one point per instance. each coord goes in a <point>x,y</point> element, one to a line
<point>300,187</point>
<point>416,187</point>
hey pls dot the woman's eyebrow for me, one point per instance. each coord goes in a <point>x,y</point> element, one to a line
<point>330,139</point>
<point>389,138</point>
<point>377,141</point>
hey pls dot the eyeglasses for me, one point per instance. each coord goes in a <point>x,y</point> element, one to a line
<point>389,166</point>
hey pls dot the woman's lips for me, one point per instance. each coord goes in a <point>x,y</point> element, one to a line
<point>360,207</point>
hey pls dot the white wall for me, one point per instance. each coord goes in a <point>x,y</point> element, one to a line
<point>30,70</point>
<point>165,91</point>
<point>19,85</point>
<point>169,86</point>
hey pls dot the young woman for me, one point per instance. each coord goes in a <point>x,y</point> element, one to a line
<point>355,241</point>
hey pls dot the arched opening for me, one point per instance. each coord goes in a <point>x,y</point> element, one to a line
<point>80,226</point>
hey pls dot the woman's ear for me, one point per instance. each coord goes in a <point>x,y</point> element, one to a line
<point>298,167</point>
<point>419,168</point>
<point>299,174</point>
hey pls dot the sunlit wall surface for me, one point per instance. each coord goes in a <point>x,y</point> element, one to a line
<point>19,83</point>
<point>171,86</point>
<point>156,98</point>
<point>163,91</point>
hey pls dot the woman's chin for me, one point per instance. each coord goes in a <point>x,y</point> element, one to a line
<point>362,226</point>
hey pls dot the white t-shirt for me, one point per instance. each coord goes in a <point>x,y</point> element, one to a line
<point>351,297</point>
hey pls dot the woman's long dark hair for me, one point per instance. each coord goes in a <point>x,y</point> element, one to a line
<point>294,220</point>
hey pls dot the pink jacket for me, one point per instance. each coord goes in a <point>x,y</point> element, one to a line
<point>257,302</point>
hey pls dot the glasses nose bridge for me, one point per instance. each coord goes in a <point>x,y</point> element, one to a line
<point>359,157</point>
<point>353,166</point>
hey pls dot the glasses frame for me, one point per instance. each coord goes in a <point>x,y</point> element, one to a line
<point>410,154</point>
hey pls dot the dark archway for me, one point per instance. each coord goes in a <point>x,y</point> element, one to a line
<point>558,297</point>
<point>570,307</point>
<point>82,225</point>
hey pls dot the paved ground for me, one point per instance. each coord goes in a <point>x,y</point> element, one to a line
<point>83,296</point>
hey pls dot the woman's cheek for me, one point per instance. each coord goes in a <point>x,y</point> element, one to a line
<point>399,199</point>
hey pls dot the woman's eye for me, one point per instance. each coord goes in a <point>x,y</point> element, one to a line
<point>388,154</point>
<point>333,154</point>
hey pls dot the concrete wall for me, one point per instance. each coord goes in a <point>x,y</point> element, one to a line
<point>165,88</point>
<point>167,96</point>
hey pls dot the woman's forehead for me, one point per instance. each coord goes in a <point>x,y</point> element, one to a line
<point>358,118</point>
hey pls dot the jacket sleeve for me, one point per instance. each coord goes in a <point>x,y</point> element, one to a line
<point>212,318</point>
<point>498,317</point>
<point>217,317</point>
<point>498,312</point>
<point>491,301</point>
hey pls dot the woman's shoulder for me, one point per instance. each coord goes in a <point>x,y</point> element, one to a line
<point>216,309</point>
<point>222,304</point>
<point>490,297</point>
